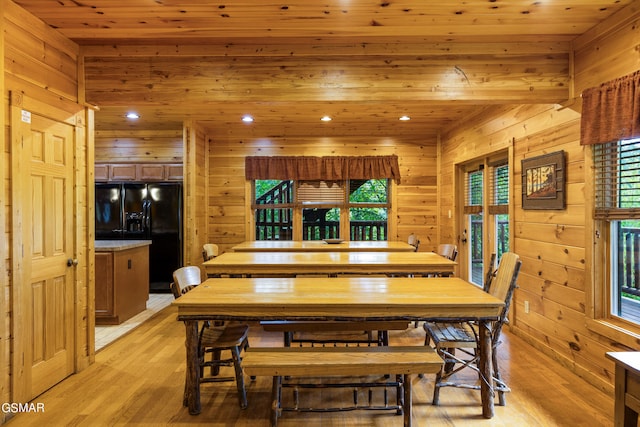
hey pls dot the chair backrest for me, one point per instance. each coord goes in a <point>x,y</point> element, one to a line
<point>448,250</point>
<point>504,283</point>
<point>413,241</point>
<point>185,279</point>
<point>209,250</point>
<point>502,286</point>
<point>506,276</point>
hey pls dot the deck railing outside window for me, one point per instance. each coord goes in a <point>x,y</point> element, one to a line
<point>275,223</point>
<point>358,230</point>
<point>502,235</point>
<point>629,260</point>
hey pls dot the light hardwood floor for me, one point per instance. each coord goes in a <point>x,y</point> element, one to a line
<point>138,380</point>
<point>106,334</point>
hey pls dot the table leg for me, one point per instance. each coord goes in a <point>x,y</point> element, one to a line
<point>407,401</point>
<point>623,416</point>
<point>276,399</point>
<point>192,378</point>
<point>486,370</point>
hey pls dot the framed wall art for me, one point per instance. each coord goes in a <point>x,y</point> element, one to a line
<point>543,181</point>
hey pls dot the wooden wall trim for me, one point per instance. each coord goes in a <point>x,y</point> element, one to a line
<point>4,194</point>
<point>189,224</point>
<point>18,381</point>
<point>88,245</point>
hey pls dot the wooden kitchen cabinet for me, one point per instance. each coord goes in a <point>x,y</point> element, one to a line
<point>174,172</point>
<point>123,172</point>
<point>122,280</point>
<point>102,173</point>
<point>138,172</point>
<point>151,172</point>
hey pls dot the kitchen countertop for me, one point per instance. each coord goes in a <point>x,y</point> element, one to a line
<point>119,245</point>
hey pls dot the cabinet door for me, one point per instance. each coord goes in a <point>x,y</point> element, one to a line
<point>174,172</point>
<point>131,278</point>
<point>151,172</point>
<point>104,290</point>
<point>102,173</point>
<point>123,172</point>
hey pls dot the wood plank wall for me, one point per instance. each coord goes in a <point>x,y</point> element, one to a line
<point>416,195</point>
<point>42,64</point>
<point>552,243</point>
<point>138,145</point>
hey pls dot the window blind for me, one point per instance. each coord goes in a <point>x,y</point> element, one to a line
<point>320,192</point>
<point>617,180</point>
<point>499,189</point>
<point>473,192</point>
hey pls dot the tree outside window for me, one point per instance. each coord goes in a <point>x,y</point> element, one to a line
<point>316,210</point>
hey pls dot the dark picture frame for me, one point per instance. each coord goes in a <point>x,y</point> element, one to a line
<point>543,181</point>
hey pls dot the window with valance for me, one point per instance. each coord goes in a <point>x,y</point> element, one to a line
<point>313,198</point>
<point>610,125</point>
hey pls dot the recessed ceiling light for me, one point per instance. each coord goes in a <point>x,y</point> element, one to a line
<point>405,118</point>
<point>247,119</point>
<point>326,119</point>
<point>132,115</point>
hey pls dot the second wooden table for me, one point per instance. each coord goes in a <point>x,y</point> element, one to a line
<point>292,263</point>
<point>322,246</point>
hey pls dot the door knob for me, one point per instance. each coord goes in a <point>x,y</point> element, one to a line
<point>72,262</point>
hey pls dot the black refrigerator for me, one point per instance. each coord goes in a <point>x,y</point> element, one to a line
<point>144,211</point>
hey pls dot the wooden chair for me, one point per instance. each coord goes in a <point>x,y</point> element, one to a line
<point>448,250</point>
<point>213,339</point>
<point>414,241</point>
<point>209,250</point>
<point>463,336</point>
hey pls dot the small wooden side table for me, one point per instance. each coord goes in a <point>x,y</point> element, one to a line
<point>627,388</point>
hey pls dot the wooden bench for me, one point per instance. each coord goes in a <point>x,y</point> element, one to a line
<point>290,327</point>
<point>309,362</point>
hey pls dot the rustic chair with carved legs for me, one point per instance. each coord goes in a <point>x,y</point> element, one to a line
<point>213,339</point>
<point>448,337</point>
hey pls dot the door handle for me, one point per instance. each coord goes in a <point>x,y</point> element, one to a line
<point>72,262</point>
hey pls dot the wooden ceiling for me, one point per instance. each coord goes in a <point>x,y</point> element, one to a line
<point>365,63</point>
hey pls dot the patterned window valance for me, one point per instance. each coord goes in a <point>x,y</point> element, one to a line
<point>611,111</point>
<point>330,168</point>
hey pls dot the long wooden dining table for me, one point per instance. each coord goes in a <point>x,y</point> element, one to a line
<point>291,263</point>
<point>344,299</point>
<point>322,246</point>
